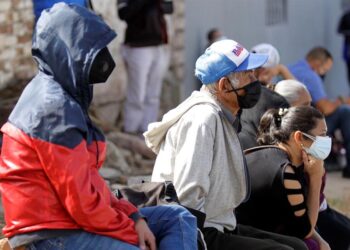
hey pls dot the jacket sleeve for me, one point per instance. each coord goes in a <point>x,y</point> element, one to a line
<point>81,189</point>
<point>126,207</point>
<point>128,9</point>
<point>193,164</point>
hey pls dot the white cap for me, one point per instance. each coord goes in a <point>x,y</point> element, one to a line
<point>267,49</point>
<point>224,57</point>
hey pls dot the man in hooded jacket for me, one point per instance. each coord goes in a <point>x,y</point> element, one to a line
<point>52,193</point>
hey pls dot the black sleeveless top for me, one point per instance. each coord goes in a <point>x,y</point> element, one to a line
<point>268,207</point>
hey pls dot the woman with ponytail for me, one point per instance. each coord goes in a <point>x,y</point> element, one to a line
<point>286,174</point>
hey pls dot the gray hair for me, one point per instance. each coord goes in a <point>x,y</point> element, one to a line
<point>290,89</point>
<point>234,80</point>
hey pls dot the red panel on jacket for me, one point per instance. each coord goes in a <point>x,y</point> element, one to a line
<point>48,186</point>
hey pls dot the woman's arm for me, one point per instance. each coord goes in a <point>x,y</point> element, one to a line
<point>321,242</point>
<point>314,170</point>
<point>300,226</point>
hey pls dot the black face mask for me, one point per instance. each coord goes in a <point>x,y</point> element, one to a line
<point>101,67</point>
<point>251,97</point>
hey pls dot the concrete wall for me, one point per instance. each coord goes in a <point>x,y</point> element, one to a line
<point>309,23</point>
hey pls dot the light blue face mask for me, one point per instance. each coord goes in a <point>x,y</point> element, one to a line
<point>320,148</point>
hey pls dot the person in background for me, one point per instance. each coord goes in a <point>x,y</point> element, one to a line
<point>214,35</point>
<point>146,59</point>
<point>310,72</point>
<point>52,193</point>
<point>333,226</point>
<point>294,92</point>
<point>40,5</point>
<point>272,68</point>
<point>198,148</point>
<point>280,200</point>
<point>250,118</point>
<point>344,30</point>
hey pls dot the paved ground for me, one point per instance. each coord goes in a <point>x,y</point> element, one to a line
<point>338,192</point>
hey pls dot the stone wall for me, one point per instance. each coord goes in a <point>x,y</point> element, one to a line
<point>173,81</point>
<point>16,24</point>
<point>17,66</point>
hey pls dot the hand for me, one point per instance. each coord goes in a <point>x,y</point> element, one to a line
<point>324,245</point>
<point>284,72</point>
<point>338,102</point>
<point>320,241</point>
<point>279,69</point>
<point>276,70</point>
<point>147,240</point>
<point>312,166</point>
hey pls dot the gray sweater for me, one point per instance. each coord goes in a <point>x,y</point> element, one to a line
<point>199,151</point>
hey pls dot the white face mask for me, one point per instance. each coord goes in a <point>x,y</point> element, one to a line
<point>320,148</point>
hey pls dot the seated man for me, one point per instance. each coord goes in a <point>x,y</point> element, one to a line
<point>199,150</point>
<point>52,193</point>
<point>310,71</point>
<point>294,92</point>
<point>291,92</point>
<point>272,68</point>
<point>250,118</point>
<point>214,35</point>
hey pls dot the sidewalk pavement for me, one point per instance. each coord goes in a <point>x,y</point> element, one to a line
<point>338,191</point>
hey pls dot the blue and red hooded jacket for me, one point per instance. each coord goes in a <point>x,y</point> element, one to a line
<point>51,150</point>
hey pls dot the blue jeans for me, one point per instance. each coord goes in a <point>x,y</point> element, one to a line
<point>173,226</point>
<point>340,119</point>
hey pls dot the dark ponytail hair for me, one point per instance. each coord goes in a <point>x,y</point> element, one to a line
<point>276,125</point>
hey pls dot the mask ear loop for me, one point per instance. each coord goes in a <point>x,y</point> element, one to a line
<point>234,90</point>
<point>302,145</point>
<point>309,136</point>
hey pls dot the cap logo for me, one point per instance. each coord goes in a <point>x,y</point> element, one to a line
<point>224,57</point>
<point>238,50</point>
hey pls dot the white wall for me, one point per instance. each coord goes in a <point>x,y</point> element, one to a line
<point>336,81</point>
<point>310,23</point>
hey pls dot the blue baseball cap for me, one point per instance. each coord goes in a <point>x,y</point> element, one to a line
<point>224,57</point>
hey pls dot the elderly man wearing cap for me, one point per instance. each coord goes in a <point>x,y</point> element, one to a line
<point>199,151</point>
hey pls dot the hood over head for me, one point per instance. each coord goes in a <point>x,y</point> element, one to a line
<point>66,40</point>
